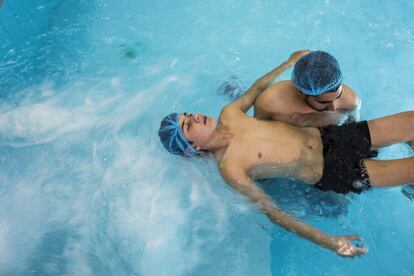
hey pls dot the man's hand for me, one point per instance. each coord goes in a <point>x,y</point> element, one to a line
<point>296,56</point>
<point>350,120</point>
<point>342,246</point>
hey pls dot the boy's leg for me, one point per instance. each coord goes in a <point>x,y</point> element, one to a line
<point>388,173</point>
<point>392,129</point>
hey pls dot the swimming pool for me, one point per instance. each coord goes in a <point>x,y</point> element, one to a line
<point>86,189</point>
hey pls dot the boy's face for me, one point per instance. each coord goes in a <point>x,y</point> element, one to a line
<point>196,128</point>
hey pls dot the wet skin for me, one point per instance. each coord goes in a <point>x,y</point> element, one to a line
<point>264,149</point>
<point>246,148</point>
<point>283,102</point>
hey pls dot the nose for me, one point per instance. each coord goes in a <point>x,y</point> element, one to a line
<point>332,106</point>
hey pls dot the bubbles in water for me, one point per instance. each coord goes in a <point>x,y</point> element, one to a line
<point>408,191</point>
<point>232,87</point>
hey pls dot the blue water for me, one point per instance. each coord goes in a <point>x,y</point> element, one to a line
<point>86,189</point>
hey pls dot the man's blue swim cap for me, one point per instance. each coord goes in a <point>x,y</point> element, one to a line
<point>172,137</point>
<point>316,73</point>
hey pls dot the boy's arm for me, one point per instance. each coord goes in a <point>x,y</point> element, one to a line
<point>244,185</point>
<point>247,99</point>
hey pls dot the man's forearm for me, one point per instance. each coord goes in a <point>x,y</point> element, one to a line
<point>314,119</point>
<point>354,114</point>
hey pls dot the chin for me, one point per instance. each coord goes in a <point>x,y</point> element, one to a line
<point>210,121</point>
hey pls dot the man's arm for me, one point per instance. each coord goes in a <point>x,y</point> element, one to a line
<point>353,115</point>
<point>248,98</point>
<point>243,184</point>
<point>353,104</point>
<point>313,119</point>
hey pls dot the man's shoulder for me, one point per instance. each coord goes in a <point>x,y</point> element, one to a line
<point>278,94</point>
<point>350,99</point>
<point>284,86</point>
<point>349,91</point>
<point>281,99</point>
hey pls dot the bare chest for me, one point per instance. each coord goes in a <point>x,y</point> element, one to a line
<point>284,154</point>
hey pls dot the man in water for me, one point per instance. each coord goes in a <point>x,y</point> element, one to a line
<point>333,158</point>
<point>314,97</point>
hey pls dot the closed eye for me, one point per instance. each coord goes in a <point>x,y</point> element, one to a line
<point>186,121</point>
<point>189,122</point>
<point>186,125</point>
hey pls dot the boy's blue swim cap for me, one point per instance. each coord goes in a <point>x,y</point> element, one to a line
<point>316,73</point>
<point>172,137</point>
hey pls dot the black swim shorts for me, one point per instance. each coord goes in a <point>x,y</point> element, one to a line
<point>344,150</point>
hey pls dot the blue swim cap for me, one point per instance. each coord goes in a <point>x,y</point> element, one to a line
<point>316,73</point>
<point>172,137</point>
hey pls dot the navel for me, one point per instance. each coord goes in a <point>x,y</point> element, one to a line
<point>259,155</point>
<point>310,147</point>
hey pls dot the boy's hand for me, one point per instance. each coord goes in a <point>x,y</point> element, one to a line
<point>296,56</point>
<point>342,246</point>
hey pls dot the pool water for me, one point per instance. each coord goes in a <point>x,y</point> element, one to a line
<point>85,186</point>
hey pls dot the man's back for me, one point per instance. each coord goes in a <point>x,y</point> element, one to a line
<point>265,149</point>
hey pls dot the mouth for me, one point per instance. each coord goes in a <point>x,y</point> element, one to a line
<point>205,120</point>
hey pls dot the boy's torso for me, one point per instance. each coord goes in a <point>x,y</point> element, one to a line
<point>267,149</point>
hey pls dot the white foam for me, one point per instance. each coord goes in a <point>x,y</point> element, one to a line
<point>161,218</point>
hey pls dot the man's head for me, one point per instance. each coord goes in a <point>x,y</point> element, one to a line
<point>326,101</point>
<point>319,77</point>
<point>186,134</point>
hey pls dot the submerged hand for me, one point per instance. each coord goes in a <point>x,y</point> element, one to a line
<point>342,246</point>
<point>296,56</point>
